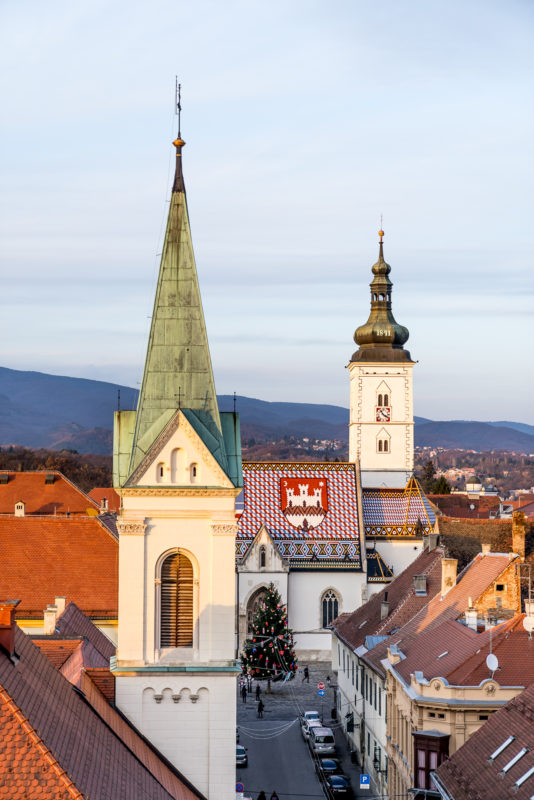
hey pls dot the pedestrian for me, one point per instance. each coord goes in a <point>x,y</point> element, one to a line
<point>249,684</point>
<point>274,796</point>
<point>262,795</point>
<point>258,691</point>
<point>306,675</point>
<point>260,709</point>
<point>244,693</point>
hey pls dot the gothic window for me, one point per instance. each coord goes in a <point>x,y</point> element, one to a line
<point>386,446</point>
<point>380,445</point>
<point>386,398</point>
<point>330,607</point>
<point>263,556</point>
<point>255,601</point>
<point>380,403</point>
<point>176,613</point>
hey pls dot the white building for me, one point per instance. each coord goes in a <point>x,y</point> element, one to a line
<point>177,468</point>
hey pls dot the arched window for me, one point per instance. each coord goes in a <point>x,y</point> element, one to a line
<point>380,445</point>
<point>176,627</point>
<point>386,446</point>
<point>386,398</point>
<point>160,472</point>
<point>379,400</point>
<point>263,556</point>
<point>257,598</point>
<point>330,606</point>
<point>193,472</point>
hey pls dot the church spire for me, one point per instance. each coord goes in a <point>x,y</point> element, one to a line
<point>381,338</point>
<point>178,372</point>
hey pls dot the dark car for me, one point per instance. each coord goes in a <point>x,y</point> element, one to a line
<point>338,786</point>
<point>328,766</point>
<point>241,758</point>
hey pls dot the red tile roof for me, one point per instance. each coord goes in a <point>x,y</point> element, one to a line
<point>113,500</point>
<point>474,580</point>
<point>472,774</point>
<point>57,651</point>
<point>104,680</point>
<point>39,497</point>
<point>44,557</point>
<point>403,602</point>
<point>27,767</point>
<point>464,506</point>
<point>95,747</point>
<point>73,622</point>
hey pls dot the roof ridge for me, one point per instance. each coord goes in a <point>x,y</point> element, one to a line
<point>34,737</point>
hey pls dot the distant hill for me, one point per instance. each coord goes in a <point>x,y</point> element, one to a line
<point>54,411</point>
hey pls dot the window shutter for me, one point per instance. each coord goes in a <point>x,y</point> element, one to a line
<point>177,602</point>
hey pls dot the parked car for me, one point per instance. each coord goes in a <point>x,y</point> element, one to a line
<point>328,766</point>
<point>321,742</point>
<point>307,725</point>
<point>338,786</point>
<point>241,757</point>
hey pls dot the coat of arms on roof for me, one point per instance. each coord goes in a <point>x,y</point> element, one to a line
<point>304,501</point>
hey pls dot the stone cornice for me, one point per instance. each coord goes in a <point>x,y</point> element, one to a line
<point>180,491</point>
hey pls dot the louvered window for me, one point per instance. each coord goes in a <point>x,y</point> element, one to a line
<point>176,602</point>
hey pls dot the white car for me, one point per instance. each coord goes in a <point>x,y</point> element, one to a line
<point>307,723</point>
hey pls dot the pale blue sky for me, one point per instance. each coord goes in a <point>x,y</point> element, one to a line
<point>304,122</point>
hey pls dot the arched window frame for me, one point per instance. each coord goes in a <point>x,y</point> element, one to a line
<point>256,596</point>
<point>157,617</point>
<point>263,556</point>
<point>330,606</point>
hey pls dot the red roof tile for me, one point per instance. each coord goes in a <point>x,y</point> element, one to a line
<point>39,497</point>
<point>57,651</point>
<point>465,506</point>
<point>110,495</point>
<point>44,557</point>
<point>74,622</point>
<point>472,772</point>
<point>104,680</point>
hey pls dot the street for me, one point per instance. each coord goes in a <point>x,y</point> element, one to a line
<point>279,758</point>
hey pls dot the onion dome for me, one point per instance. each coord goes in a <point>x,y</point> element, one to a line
<point>381,338</point>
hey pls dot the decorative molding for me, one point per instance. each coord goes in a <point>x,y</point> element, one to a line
<point>176,698</point>
<point>224,529</point>
<point>128,528</point>
<point>178,491</point>
<point>158,698</point>
<point>193,697</point>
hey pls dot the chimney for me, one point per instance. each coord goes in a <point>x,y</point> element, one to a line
<point>20,508</point>
<point>8,625</point>
<point>448,574</point>
<point>518,534</point>
<point>432,541</point>
<point>471,616</point>
<point>419,584</point>
<point>60,603</point>
<point>49,620</point>
<point>486,549</point>
<point>529,608</point>
<point>384,607</point>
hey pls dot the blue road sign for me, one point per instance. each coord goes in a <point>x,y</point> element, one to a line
<point>239,787</point>
<point>320,692</point>
<point>365,781</point>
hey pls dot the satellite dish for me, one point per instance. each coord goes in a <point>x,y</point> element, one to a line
<point>528,624</point>
<point>492,662</point>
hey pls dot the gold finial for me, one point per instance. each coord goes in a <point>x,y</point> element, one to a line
<point>381,234</point>
<point>179,142</point>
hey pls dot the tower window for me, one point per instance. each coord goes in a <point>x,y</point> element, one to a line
<point>263,556</point>
<point>176,626</point>
<point>386,445</point>
<point>380,445</point>
<point>330,607</point>
<point>386,399</point>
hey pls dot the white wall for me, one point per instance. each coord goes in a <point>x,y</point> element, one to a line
<point>399,554</point>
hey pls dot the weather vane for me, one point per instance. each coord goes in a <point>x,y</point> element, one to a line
<point>178,99</point>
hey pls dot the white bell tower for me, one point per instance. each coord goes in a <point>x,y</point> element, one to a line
<point>381,394</point>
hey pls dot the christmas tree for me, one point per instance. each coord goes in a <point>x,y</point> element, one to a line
<point>270,652</point>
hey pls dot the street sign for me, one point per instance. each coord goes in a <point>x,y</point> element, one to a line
<point>320,685</point>
<point>320,692</point>
<point>239,787</point>
<point>365,781</point>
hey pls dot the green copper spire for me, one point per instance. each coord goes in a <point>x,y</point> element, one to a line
<point>178,371</point>
<point>381,338</point>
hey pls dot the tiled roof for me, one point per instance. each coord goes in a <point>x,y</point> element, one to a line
<point>366,621</point>
<point>39,497</point>
<point>104,680</point>
<point>482,770</point>
<point>86,742</point>
<point>310,510</point>
<point>45,557</point>
<point>74,622</point>
<point>113,500</point>
<point>27,767</point>
<point>465,506</point>
<point>56,650</point>
<point>471,584</point>
<point>397,512</point>
<point>377,569</point>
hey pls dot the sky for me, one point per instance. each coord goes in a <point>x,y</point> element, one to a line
<point>305,121</point>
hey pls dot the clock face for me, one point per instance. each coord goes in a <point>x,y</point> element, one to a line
<point>383,414</point>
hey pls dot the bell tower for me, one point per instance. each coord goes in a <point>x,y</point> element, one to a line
<point>381,396</point>
<point>177,468</point>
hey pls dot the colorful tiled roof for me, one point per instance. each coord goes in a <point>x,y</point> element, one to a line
<point>397,512</point>
<point>310,510</point>
<point>486,767</point>
<point>58,496</point>
<point>377,569</point>
<point>89,751</point>
<point>46,557</point>
<point>109,495</point>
